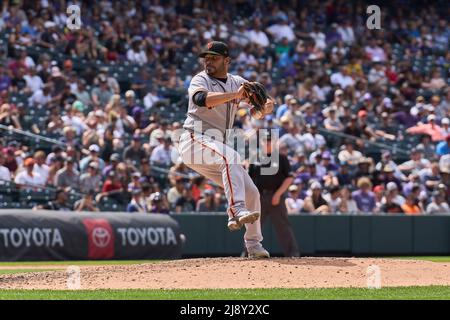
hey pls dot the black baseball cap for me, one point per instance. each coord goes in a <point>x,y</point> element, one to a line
<point>216,48</point>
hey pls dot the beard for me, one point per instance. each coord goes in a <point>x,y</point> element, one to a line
<point>210,70</point>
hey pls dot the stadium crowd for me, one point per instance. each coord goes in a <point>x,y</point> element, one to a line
<point>362,114</point>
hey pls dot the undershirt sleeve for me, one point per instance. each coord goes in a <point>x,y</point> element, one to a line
<point>199,98</point>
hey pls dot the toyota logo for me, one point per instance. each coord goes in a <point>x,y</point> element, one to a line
<point>101,237</point>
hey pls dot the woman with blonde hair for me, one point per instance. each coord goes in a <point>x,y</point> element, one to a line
<point>364,197</point>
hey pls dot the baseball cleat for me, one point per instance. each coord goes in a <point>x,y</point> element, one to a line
<point>242,218</point>
<point>258,252</point>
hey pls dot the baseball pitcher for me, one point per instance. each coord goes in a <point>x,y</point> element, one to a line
<point>214,96</point>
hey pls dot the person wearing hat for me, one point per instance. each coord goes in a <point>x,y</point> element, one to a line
<point>393,191</point>
<point>315,202</point>
<point>49,37</point>
<point>331,121</point>
<point>163,154</point>
<point>135,181</point>
<point>68,176</point>
<point>214,95</point>
<point>137,202</point>
<point>430,128</point>
<point>101,94</point>
<point>136,54</point>
<point>94,151</point>
<point>91,179</point>
<point>312,139</point>
<point>207,203</point>
<point>114,160</point>
<point>272,189</point>
<point>134,152</point>
<point>294,203</point>
<point>112,188</point>
<point>438,205</point>
<point>60,202</point>
<point>28,178</point>
<point>349,155</point>
<point>416,163</point>
<point>364,168</point>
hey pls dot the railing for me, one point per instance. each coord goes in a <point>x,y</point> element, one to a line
<point>393,149</point>
<point>31,135</point>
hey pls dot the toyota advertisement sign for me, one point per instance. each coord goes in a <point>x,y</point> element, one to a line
<point>50,235</point>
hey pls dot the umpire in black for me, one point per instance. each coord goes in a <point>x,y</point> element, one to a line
<point>272,189</point>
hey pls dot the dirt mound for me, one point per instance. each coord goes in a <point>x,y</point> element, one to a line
<point>241,273</point>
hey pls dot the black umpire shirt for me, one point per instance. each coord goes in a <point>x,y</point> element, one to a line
<point>270,182</point>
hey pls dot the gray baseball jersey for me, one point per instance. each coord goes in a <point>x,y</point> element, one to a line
<point>220,117</point>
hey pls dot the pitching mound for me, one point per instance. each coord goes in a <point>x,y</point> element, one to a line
<point>240,273</point>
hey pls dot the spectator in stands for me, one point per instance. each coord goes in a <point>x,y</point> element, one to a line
<point>59,204</point>
<point>186,203</point>
<point>5,175</point>
<point>342,78</point>
<point>112,188</point>
<point>315,203</point>
<point>349,155</point>
<point>135,182</point>
<point>430,128</point>
<point>134,153</point>
<point>389,205</point>
<point>438,206</point>
<point>40,167</point>
<point>207,203</point>
<point>333,198</point>
<point>364,198</point>
<point>313,140</point>
<point>86,203</point>
<point>348,205</point>
<point>416,164</point>
<point>137,203</point>
<point>101,94</point>
<point>7,118</point>
<point>294,203</point>
<point>443,147</point>
<point>68,177</point>
<point>136,54</point>
<point>176,191</point>
<point>90,180</point>
<point>162,154</point>
<point>256,35</point>
<point>93,156</point>
<point>27,177</point>
<point>410,206</point>
<point>158,203</point>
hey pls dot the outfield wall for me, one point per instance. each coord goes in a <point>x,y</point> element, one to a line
<point>207,235</point>
<point>57,235</point>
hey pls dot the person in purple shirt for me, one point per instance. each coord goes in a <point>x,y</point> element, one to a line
<point>405,118</point>
<point>364,198</point>
<point>5,80</point>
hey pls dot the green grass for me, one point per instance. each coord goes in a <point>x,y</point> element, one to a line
<point>431,258</point>
<point>13,271</point>
<point>75,263</point>
<point>401,293</point>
